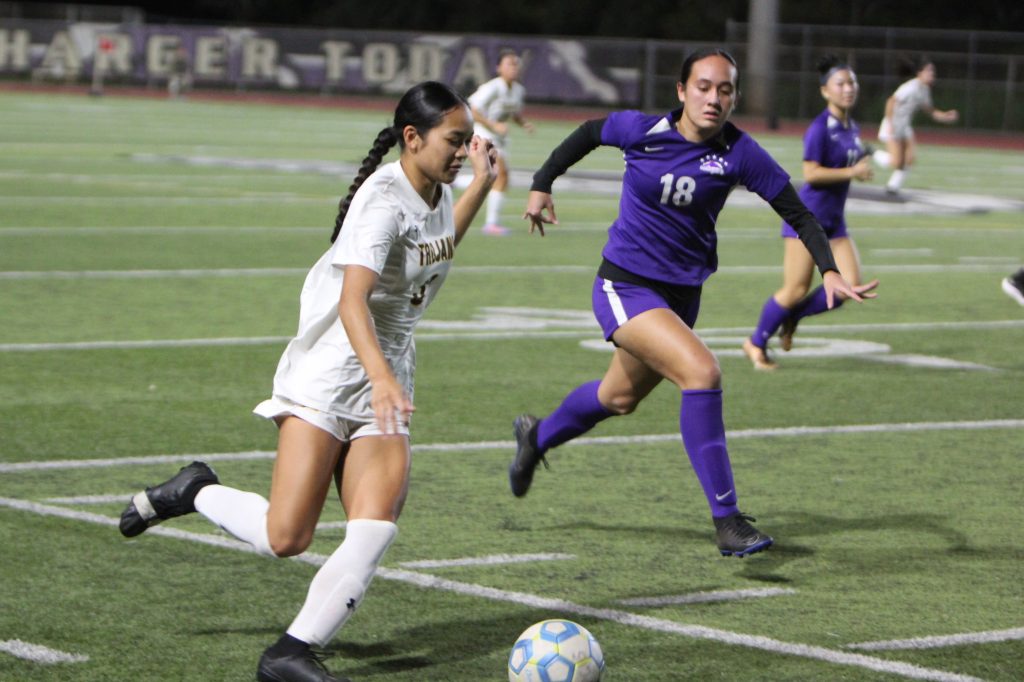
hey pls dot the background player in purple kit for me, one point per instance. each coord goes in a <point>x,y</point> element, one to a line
<point>680,169</point>
<point>833,156</point>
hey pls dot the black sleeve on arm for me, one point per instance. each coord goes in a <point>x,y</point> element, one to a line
<point>580,142</point>
<point>788,205</point>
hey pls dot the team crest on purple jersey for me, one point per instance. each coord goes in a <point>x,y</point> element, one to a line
<point>712,164</point>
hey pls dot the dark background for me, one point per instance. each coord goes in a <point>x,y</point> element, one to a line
<point>665,19</point>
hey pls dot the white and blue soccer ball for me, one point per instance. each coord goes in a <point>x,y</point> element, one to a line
<point>556,651</point>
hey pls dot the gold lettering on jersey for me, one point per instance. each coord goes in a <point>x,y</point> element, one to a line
<point>437,251</point>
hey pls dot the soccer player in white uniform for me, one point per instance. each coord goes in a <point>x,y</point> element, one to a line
<point>896,131</point>
<point>494,104</point>
<point>342,395</point>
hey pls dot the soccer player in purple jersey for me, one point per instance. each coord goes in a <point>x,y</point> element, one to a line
<point>680,168</point>
<point>833,157</point>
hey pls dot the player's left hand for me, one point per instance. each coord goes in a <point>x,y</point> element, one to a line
<point>483,157</point>
<point>835,284</point>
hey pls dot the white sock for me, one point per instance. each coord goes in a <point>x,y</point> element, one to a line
<point>338,587</point>
<point>240,513</point>
<point>882,158</point>
<point>896,179</point>
<point>494,201</point>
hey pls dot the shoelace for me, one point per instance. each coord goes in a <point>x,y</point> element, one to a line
<point>742,526</point>
<point>318,656</point>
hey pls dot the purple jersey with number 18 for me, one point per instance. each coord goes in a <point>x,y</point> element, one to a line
<point>673,191</point>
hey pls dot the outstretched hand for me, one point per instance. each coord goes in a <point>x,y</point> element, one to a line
<point>536,204</point>
<point>835,285</point>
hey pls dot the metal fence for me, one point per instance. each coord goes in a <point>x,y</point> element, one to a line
<point>981,73</point>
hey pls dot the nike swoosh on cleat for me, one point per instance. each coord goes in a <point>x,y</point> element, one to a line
<point>724,495</point>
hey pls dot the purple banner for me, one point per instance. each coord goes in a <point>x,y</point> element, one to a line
<point>574,71</point>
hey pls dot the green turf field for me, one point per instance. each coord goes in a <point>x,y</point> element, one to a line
<point>149,278</point>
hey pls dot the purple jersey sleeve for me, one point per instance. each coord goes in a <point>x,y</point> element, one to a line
<point>759,172</point>
<point>621,128</point>
<point>816,142</point>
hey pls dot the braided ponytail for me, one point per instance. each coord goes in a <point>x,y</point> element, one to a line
<point>386,139</point>
<point>423,107</point>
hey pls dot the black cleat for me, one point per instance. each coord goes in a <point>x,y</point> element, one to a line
<point>1013,287</point>
<point>305,666</point>
<point>736,537</point>
<point>174,497</point>
<point>520,472</point>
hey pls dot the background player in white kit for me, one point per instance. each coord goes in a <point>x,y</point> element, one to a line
<point>896,130</point>
<point>494,104</point>
<point>342,395</point>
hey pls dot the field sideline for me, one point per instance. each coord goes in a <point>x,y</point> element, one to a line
<point>151,257</point>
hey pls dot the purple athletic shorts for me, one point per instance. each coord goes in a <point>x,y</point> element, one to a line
<point>834,232</point>
<point>617,302</point>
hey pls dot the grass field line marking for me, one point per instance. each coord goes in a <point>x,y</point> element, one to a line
<point>490,560</point>
<point>188,273</point>
<point>64,231</point>
<point>92,499</point>
<point>509,445</point>
<point>711,596</point>
<point>566,225</point>
<point>942,640</point>
<point>536,601</point>
<point>138,200</point>
<point>194,273</point>
<point>431,332</point>
<point>37,653</point>
<point>662,625</point>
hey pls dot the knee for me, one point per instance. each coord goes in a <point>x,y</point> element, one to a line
<point>285,544</point>
<point>622,405</point>
<point>707,376</point>
<point>790,295</point>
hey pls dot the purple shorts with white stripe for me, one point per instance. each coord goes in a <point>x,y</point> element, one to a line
<point>617,302</point>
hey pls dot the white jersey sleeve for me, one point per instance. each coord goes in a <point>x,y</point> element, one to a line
<point>366,238</point>
<point>485,95</point>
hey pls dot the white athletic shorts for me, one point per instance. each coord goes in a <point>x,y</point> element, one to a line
<point>898,131</point>
<point>341,428</point>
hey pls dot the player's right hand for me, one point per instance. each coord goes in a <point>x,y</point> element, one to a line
<point>536,204</point>
<point>391,406</point>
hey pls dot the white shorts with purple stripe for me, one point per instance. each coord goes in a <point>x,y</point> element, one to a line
<point>615,303</point>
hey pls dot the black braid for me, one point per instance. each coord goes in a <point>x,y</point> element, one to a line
<point>386,139</point>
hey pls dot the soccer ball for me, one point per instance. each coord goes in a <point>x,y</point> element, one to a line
<point>556,651</point>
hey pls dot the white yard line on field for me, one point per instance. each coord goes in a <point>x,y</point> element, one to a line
<point>544,603</point>
<point>497,327</point>
<point>508,445</point>
<point>195,273</point>
<point>38,653</point>
<point>938,641</point>
<point>490,560</point>
<point>706,597</point>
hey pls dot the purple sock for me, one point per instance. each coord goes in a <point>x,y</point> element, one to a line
<point>772,315</point>
<point>700,421</point>
<point>814,303</point>
<point>578,413</point>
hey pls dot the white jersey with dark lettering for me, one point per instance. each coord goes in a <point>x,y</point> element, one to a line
<point>498,101</point>
<point>392,231</point>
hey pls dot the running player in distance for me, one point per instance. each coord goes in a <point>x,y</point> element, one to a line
<point>896,131</point>
<point>496,103</point>
<point>834,156</point>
